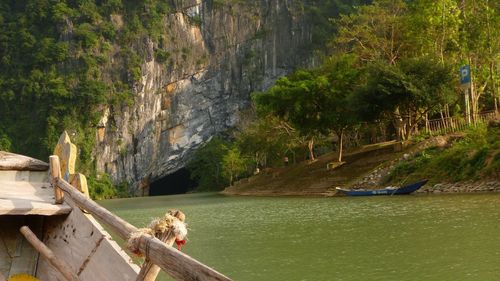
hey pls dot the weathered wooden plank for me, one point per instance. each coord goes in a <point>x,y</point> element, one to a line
<point>29,198</point>
<point>34,176</point>
<point>79,181</point>
<point>55,173</point>
<point>12,161</point>
<point>120,226</point>
<point>66,151</point>
<point>23,207</point>
<point>20,256</point>
<point>172,261</point>
<point>86,247</point>
<point>47,253</point>
<point>176,263</point>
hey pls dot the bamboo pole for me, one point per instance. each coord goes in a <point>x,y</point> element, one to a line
<point>172,261</point>
<point>47,253</point>
<point>55,173</point>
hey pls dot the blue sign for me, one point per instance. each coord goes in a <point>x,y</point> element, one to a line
<point>465,75</point>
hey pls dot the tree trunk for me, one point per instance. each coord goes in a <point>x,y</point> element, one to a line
<point>398,125</point>
<point>427,129</point>
<point>340,135</point>
<point>310,146</point>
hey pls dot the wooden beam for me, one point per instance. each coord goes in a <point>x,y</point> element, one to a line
<point>177,264</point>
<point>117,224</point>
<point>55,173</point>
<point>29,198</point>
<point>67,155</point>
<point>149,271</point>
<point>79,181</point>
<point>12,161</point>
<point>57,263</point>
<point>172,261</point>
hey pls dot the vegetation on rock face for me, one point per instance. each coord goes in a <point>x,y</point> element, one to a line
<point>207,166</point>
<point>103,188</point>
<point>59,69</point>
<point>56,70</point>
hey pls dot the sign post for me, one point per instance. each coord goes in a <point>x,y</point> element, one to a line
<point>465,82</point>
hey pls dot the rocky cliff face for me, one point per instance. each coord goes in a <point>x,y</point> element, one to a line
<point>218,53</point>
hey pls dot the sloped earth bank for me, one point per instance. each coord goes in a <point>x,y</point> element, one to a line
<point>365,167</point>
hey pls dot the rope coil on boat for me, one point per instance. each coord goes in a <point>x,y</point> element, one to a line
<point>172,222</point>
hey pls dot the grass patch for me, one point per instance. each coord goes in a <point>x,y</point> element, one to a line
<point>474,156</point>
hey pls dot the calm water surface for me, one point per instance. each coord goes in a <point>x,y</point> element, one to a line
<point>447,237</point>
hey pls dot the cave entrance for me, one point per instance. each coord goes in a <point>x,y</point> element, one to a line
<point>178,182</point>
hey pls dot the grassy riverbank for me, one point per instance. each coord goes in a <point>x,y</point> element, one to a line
<point>468,158</point>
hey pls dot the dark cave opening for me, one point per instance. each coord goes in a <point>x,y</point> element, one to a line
<point>179,182</point>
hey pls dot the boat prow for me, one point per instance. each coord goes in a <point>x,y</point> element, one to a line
<point>44,232</point>
<point>27,199</point>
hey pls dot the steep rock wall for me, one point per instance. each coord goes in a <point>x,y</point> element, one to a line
<point>219,54</point>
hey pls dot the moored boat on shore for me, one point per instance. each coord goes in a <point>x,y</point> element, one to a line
<point>407,189</point>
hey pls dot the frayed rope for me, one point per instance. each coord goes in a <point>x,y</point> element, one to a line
<point>172,221</point>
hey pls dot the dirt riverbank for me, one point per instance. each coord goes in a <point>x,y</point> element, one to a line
<point>365,167</point>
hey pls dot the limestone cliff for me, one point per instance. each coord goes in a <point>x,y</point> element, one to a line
<point>219,52</point>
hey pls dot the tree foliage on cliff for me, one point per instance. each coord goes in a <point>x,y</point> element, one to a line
<point>53,54</point>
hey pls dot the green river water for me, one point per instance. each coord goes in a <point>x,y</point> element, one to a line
<point>417,237</point>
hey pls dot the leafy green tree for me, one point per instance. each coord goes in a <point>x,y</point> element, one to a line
<point>480,37</point>
<point>206,166</point>
<point>299,100</point>
<point>5,143</point>
<point>321,13</point>
<point>405,92</point>
<point>433,28</point>
<point>374,32</point>
<point>234,165</point>
<point>267,139</point>
<point>339,115</point>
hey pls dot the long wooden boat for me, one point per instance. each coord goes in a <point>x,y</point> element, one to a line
<point>407,189</point>
<point>45,234</point>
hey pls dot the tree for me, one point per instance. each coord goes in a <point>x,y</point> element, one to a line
<point>377,32</point>
<point>5,143</point>
<point>343,75</point>
<point>480,35</point>
<point>374,32</point>
<point>299,100</point>
<point>267,139</point>
<point>434,30</point>
<point>234,164</point>
<point>414,87</point>
<point>206,165</point>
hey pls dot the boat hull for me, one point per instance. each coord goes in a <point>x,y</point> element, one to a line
<point>407,189</point>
